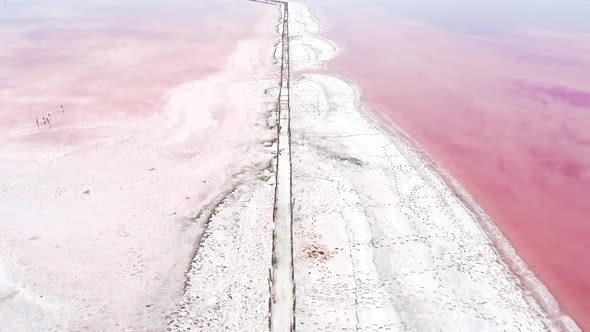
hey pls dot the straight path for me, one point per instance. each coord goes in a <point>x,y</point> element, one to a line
<point>282,288</point>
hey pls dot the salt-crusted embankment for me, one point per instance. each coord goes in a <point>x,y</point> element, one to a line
<point>228,286</point>
<point>381,242</point>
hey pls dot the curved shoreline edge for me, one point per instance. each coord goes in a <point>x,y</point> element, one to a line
<point>414,152</point>
<point>538,293</point>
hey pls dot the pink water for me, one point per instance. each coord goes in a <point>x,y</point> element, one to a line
<point>497,92</point>
<point>499,95</point>
<point>108,60</point>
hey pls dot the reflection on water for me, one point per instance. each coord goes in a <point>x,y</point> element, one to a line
<point>499,93</point>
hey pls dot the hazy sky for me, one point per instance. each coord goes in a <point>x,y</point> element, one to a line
<point>478,16</point>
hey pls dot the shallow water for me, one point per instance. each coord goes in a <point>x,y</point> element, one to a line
<point>106,60</point>
<point>499,94</point>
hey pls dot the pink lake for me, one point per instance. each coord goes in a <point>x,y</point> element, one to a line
<point>499,95</point>
<point>107,60</point>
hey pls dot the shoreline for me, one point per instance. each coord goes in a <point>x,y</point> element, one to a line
<point>502,114</point>
<point>167,221</point>
<point>505,249</point>
<point>99,235</point>
<point>418,156</point>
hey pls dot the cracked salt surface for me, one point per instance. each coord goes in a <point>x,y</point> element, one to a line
<point>404,252</point>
